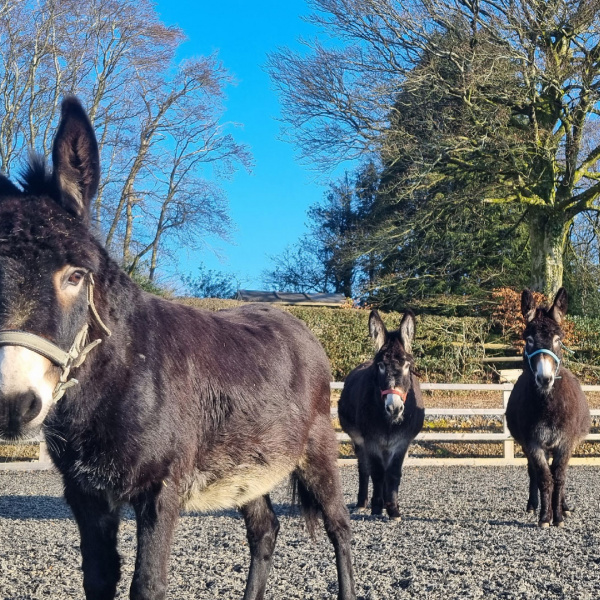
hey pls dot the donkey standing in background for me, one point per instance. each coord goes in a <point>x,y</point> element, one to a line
<point>172,407</point>
<point>382,411</point>
<point>547,412</point>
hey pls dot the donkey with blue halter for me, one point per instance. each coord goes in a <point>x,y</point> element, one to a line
<point>547,412</point>
<point>147,402</point>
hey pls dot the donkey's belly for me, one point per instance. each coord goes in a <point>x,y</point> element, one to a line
<point>245,482</point>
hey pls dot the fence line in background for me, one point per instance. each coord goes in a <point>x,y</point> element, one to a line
<point>508,455</point>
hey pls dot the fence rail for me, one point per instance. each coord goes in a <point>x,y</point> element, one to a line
<point>508,454</point>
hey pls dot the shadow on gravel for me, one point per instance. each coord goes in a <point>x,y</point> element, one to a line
<point>33,508</point>
<point>281,510</point>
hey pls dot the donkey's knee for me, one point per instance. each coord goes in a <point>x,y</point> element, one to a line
<point>261,531</point>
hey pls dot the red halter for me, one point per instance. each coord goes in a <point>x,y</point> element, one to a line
<point>396,393</point>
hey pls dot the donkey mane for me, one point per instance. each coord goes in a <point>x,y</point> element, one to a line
<point>36,178</point>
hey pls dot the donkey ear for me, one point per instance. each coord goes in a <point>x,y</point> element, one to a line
<point>527,305</point>
<point>377,329</point>
<point>407,330</point>
<point>559,307</point>
<point>75,159</point>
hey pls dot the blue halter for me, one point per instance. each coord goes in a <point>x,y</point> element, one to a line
<point>543,351</point>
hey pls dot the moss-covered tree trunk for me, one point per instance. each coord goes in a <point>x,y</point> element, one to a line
<point>548,237</point>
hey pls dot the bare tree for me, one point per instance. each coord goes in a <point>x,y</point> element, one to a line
<point>524,74</point>
<point>118,57</point>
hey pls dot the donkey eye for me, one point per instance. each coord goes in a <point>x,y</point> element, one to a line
<point>529,341</point>
<point>381,367</point>
<point>75,277</point>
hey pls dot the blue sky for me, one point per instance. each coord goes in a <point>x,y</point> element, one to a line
<point>268,205</point>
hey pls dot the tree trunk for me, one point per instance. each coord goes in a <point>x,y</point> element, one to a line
<point>548,237</point>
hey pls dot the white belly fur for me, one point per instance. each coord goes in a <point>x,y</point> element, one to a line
<point>243,483</point>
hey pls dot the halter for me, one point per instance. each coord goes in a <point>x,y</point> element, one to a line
<point>65,360</point>
<point>543,351</point>
<point>396,393</point>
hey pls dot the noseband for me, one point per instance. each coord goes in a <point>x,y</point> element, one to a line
<point>543,351</point>
<point>65,360</point>
<point>396,393</point>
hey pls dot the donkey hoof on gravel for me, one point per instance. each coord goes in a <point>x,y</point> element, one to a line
<point>360,510</point>
<point>393,512</point>
<point>559,523</point>
<point>543,525</point>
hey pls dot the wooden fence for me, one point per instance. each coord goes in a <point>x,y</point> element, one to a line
<point>508,457</point>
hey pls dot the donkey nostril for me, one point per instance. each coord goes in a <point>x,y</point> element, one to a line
<point>30,406</point>
<point>544,380</point>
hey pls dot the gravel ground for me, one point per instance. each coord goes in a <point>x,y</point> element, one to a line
<point>464,535</point>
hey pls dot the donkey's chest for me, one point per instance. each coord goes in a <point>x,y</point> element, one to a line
<point>548,435</point>
<point>385,447</point>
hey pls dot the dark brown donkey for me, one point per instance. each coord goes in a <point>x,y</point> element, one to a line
<point>547,412</point>
<point>381,409</point>
<point>172,407</point>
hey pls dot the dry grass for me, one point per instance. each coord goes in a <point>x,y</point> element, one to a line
<point>477,424</point>
<point>19,452</point>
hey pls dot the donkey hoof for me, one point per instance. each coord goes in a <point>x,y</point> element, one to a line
<point>559,523</point>
<point>566,513</point>
<point>395,518</point>
<point>360,510</point>
<point>543,525</point>
<point>531,511</point>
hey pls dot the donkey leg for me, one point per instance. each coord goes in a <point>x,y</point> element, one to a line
<point>363,478</point>
<point>156,511</point>
<point>262,529</point>
<point>98,524</point>
<point>393,476</point>
<point>378,476</point>
<point>534,495</point>
<point>560,462</point>
<point>545,484</point>
<point>319,475</point>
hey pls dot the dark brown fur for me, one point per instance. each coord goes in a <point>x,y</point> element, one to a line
<point>381,437</point>
<point>547,417</point>
<point>178,405</point>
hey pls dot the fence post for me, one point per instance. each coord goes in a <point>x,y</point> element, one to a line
<point>509,445</point>
<point>44,456</point>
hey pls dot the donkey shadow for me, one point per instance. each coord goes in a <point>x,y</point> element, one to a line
<point>38,508</point>
<point>33,508</point>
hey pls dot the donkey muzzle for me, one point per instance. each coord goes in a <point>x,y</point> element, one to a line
<point>394,403</point>
<point>16,412</point>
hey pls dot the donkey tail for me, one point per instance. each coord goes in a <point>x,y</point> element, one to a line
<point>310,508</point>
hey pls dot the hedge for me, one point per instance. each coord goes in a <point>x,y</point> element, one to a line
<point>447,349</point>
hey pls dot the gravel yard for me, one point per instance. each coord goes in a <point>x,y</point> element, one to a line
<point>464,535</point>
